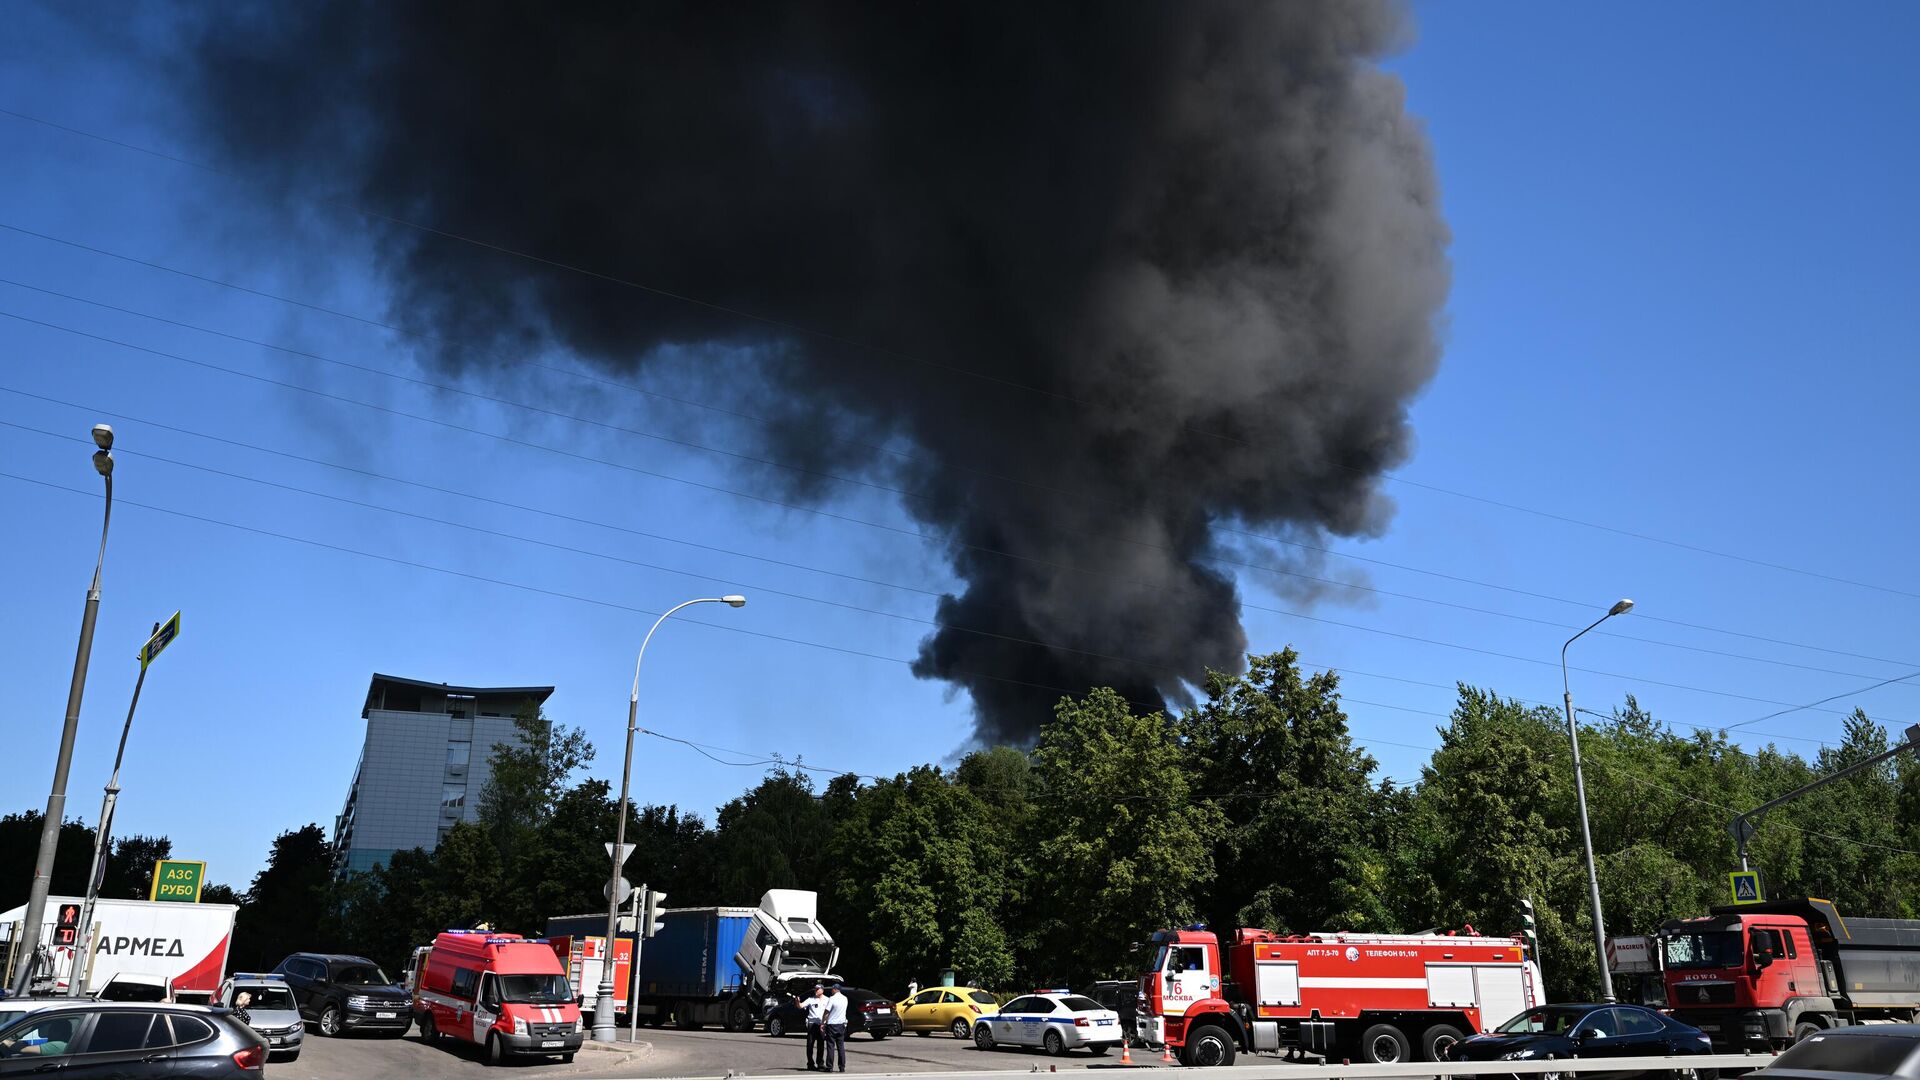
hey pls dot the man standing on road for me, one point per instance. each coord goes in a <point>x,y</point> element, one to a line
<point>836,1030</point>
<point>816,1007</point>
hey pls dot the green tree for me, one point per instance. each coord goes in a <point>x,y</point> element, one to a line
<point>1120,848</point>
<point>771,837</point>
<point>1301,810</point>
<point>288,901</point>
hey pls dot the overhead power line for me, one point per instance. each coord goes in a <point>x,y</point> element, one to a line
<point>860,346</point>
<point>601,424</point>
<point>1280,611</point>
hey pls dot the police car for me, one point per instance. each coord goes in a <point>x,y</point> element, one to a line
<point>1053,1020</point>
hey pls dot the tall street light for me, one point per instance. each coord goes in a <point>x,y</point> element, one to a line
<point>57,797</point>
<point>1580,792</point>
<point>604,1027</point>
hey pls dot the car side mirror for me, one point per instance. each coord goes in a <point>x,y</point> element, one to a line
<point>1593,1033</point>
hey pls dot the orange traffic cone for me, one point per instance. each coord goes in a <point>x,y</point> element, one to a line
<point>1166,1053</point>
<point>1126,1052</point>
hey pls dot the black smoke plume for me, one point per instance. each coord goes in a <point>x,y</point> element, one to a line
<point>1117,273</point>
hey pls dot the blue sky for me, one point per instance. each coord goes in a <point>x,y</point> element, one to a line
<point>1682,245</point>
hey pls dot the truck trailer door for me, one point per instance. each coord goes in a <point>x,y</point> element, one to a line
<point>1502,992</point>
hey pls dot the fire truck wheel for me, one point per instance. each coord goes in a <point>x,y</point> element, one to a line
<point>429,1031</point>
<point>1384,1044</point>
<point>1208,1044</point>
<point>495,1054</point>
<point>1438,1040</point>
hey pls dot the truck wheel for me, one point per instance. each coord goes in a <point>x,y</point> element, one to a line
<point>1438,1041</point>
<point>1055,1044</point>
<point>982,1037</point>
<point>495,1053</point>
<point>330,1021</point>
<point>1384,1044</point>
<point>429,1031</point>
<point>1208,1044</point>
<point>683,1017</point>
<point>1805,1028</point>
<point>657,1019</point>
<point>739,1018</point>
<point>775,1026</point>
<point>959,1029</point>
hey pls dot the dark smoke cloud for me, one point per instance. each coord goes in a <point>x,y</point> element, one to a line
<point>1206,234</point>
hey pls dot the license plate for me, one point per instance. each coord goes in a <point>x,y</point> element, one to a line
<point>384,1016</point>
<point>276,1042</point>
<point>552,1044</point>
<point>1104,1023</point>
<point>1709,1027</point>
<point>883,1012</point>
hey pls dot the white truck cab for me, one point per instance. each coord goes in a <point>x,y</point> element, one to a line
<point>786,937</point>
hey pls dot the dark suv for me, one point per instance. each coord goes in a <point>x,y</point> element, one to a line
<point>345,993</point>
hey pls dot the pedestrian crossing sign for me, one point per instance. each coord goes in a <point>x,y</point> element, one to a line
<point>1746,886</point>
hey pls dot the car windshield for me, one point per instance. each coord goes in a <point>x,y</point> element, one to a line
<point>1708,949</point>
<point>535,989</point>
<point>267,998</point>
<point>1081,1004</point>
<point>1549,1021</point>
<point>982,997</point>
<point>1878,1054</point>
<point>361,973</point>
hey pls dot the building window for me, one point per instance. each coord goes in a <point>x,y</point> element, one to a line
<point>459,752</point>
<point>453,796</point>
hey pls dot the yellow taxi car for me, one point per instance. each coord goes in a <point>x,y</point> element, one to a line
<point>947,1008</point>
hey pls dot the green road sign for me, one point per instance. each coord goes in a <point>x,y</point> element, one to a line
<point>178,880</point>
<point>160,640</point>
<point>1746,886</point>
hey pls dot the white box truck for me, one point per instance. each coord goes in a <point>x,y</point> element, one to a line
<point>184,945</point>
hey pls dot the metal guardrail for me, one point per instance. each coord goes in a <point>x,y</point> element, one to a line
<point>1273,1069</point>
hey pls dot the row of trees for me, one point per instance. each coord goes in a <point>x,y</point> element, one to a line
<point>1252,808</point>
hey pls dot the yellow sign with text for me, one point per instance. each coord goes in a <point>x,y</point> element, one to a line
<point>177,880</point>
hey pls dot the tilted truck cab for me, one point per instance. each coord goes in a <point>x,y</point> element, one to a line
<point>1763,976</point>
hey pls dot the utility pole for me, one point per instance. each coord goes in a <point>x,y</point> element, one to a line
<point>1743,826</point>
<point>57,796</point>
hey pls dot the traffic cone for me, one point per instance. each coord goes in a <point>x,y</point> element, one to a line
<point>1166,1053</point>
<point>1126,1053</point>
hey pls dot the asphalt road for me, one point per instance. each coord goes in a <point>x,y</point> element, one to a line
<point>672,1053</point>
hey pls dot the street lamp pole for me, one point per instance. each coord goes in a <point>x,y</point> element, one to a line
<point>1580,793</point>
<point>605,1027</point>
<point>97,869</point>
<point>57,797</point>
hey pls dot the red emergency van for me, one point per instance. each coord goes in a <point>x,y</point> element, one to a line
<point>505,992</point>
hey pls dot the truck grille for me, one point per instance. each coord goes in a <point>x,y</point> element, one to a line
<point>551,1031</point>
<point>1703,994</point>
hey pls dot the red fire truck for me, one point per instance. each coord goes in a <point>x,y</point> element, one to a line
<point>1374,997</point>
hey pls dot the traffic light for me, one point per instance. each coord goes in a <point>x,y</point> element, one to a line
<point>1529,932</point>
<point>650,922</point>
<point>66,930</point>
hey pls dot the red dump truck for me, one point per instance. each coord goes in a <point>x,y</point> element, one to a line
<point>1763,976</point>
<point>1368,997</point>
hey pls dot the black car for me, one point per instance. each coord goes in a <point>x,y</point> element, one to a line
<point>1880,1052</point>
<point>346,993</point>
<point>1120,995</point>
<point>867,1011</point>
<point>130,1040</point>
<point>1586,1032</point>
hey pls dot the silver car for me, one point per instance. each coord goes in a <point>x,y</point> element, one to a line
<point>265,1004</point>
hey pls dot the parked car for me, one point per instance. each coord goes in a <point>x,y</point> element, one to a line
<point>946,1008</point>
<point>1120,995</point>
<point>1879,1052</point>
<point>346,993</point>
<point>1055,1021</point>
<point>866,1011</point>
<point>130,1041</point>
<point>265,1004</point>
<point>135,986</point>
<point>504,992</point>
<point>1586,1031</point>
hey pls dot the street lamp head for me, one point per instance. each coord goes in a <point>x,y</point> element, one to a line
<point>103,463</point>
<point>734,601</point>
<point>1620,608</point>
<point>103,436</point>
